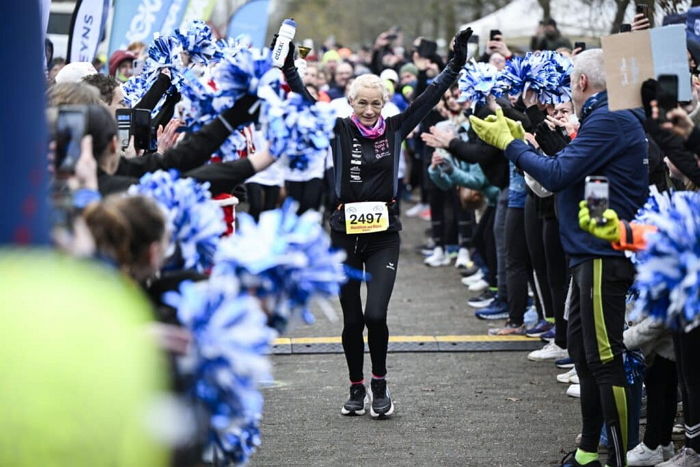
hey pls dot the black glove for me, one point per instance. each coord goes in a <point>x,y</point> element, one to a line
<point>459,59</point>
<point>244,111</point>
<point>289,59</point>
<point>550,141</point>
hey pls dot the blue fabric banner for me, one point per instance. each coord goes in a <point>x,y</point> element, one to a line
<point>137,20</point>
<point>87,29</point>
<point>250,19</point>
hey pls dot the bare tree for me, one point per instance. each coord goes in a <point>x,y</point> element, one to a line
<point>546,8</point>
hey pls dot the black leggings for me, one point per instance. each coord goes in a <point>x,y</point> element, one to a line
<point>687,349</point>
<point>518,272</point>
<point>596,321</point>
<point>466,225</point>
<point>443,215</point>
<point>534,237</point>
<point>485,243</point>
<point>557,276</point>
<point>307,194</point>
<point>261,198</point>
<point>378,255</point>
<point>661,382</point>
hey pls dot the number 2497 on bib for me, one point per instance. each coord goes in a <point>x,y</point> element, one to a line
<point>367,217</point>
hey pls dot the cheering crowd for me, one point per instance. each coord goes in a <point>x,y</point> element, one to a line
<point>223,191</point>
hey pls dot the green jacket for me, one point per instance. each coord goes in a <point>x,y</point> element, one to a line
<point>464,174</point>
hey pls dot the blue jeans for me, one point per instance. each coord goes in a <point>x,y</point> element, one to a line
<point>499,234</point>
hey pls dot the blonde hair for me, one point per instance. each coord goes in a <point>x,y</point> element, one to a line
<point>368,81</point>
<point>73,94</point>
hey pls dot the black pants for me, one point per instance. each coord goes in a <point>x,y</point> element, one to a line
<point>307,194</point>
<point>485,243</point>
<point>518,271</point>
<point>534,237</point>
<point>378,255</point>
<point>443,215</point>
<point>261,198</point>
<point>557,276</point>
<point>687,349</point>
<point>661,382</point>
<point>466,224</point>
<point>596,321</point>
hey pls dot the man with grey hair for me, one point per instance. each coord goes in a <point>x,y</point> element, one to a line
<point>613,145</point>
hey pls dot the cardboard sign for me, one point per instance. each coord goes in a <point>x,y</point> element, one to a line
<point>633,57</point>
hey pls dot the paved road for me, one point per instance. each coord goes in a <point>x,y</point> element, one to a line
<point>473,409</point>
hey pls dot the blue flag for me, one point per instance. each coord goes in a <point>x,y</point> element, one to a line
<point>251,20</point>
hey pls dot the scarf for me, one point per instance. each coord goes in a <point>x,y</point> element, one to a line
<point>371,133</point>
<point>592,103</point>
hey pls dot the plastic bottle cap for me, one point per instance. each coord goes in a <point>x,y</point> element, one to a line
<point>290,22</point>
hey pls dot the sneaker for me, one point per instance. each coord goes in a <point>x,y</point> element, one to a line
<point>549,336</point>
<point>574,391</point>
<point>642,455</point>
<point>479,286</point>
<point>437,259</point>
<point>564,363</point>
<point>687,457</point>
<point>474,278</point>
<point>569,460</point>
<point>416,210</point>
<point>566,377</point>
<point>463,260</point>
<point>668,451</point>
<point>509,329</point>
<point>497,310</point>
<point>425,214</point>
<point>482,300</point>
<point>551,351</point>
<point>540,328</point>
<point>471,269</point>
<point>452,251</point>
<point>382,406</point>
<point>358,399</point>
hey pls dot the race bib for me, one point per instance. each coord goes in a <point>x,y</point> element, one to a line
<point>368,217</point>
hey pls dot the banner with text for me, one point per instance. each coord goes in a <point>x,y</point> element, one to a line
<point>86,29</point>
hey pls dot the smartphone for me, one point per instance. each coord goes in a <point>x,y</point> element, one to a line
<point>667,93</point>
<point>392,36</point>
<point>70,129</point>
<point>124,127</point>
<point>597,193</point>
<point>625,27</point>
<point>427,48</point>
<point>642,9</point>
<point>494,33</point>
<point>580,45</point>
<point>141,128</point>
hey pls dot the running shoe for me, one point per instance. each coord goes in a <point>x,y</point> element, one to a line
<point>642,455</point>
<point>540,328</point>
<point>687,457</point>
<point>437,259</point>
<point>471,269</point>
<point>551,351</point>
<point>497,310</point>
<point>463,261</point>
<point>569,460</point>
<point>479,286</point>
<point>574,391</point>
<point>358,399</point>
<point>549,335</point>
<point>416,210</point>
<point>564,363</point>
<point>382,405</point>
<point>482,300</point>
<point>425,214</point>
<point>473,279</point>
<point>510,329</point>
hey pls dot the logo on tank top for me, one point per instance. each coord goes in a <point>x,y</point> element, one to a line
<point>381,148</point>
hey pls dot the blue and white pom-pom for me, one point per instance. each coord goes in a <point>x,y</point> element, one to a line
<point>287,259</point>
<point>195,222</point>
<point>668,271</point>
<point>298,129</point>
<point>230,341</point>
<point>634,365</point>
<point>477,81</point>
<point>546,72</point>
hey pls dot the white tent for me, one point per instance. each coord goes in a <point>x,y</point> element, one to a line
<point>520,18</point>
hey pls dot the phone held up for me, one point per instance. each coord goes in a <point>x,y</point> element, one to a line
<point>596,194</point>
<point>70,129</point>
<point>580,45</point>
<point>136,123</point>
<point>494,34</point>
<point>667,93</point>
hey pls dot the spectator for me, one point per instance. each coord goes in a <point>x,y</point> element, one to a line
<point>343,73</point>
<point>552,39</point>
<point>110,90</point>
<point>75,72</point>
<point>121,65</point>
<point>56,65</point>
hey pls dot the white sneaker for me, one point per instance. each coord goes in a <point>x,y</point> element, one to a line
<point>550,351</point>
<point>686,457</point>
<point>574,391</point>
<point>574,379</point>
<point>566,377</point>
<point>438,258</point>
<point>669,451</point>
<point>642,455</point>
<point>473,279</point>
<point>479,286</point>
<point>463,259</point>
<point>415,210</point>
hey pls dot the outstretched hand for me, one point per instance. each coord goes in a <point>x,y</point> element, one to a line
<point>609,231</point>
<point>461,41</point>
<point>497,130</point>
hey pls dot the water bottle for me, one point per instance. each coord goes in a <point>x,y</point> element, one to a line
<point>284,37</point>
<point>530,317</point>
